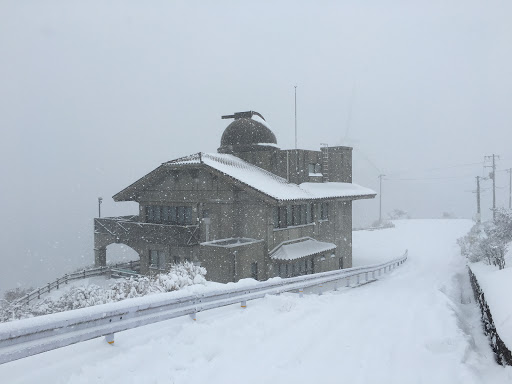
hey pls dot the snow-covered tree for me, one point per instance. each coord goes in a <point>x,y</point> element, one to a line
<point>489,241</point>
<point>179,276</point>
<point>398,214</point>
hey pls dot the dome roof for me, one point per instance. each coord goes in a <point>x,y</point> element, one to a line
<point>246,134</point>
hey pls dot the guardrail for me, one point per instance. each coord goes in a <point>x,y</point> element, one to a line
<point>23,338</point>
<point>99,271</point>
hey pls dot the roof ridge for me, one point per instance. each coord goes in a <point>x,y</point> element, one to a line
<point>194,156</point>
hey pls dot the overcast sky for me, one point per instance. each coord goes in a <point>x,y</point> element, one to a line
<point>95,94</point>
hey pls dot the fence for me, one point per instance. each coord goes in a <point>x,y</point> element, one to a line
<point>28,337</point>
<point>116,270</point>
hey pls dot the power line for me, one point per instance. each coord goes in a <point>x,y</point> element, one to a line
<point>438,168</point>
<point>431,178</point>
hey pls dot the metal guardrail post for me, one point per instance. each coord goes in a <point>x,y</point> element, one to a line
<point>110,338</point>
<point>301,292</point>
<point>49,288</point>
<point>57,282</point>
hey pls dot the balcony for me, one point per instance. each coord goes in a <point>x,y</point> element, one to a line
<point>131,231</point>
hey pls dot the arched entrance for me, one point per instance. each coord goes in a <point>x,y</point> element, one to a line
<point>121,253</point>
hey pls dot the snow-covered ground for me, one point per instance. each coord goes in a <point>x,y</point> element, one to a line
<point>417,324</point>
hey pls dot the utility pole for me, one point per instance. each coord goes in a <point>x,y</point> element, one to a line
<point>478,213</point>
<point>509,188</point>
<point>295,116</point>
<point>380,197</point>
<point>493,177</point>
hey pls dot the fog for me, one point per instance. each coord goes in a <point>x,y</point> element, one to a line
<point>93,95</point>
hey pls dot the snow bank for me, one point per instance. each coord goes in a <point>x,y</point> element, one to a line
<point>497,286</point>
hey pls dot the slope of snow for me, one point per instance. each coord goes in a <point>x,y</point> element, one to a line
<point>410,326</point>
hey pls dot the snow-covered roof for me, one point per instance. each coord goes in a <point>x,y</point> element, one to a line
<point>295,249</point>
<point>271,184</point>
<point>232,242</point>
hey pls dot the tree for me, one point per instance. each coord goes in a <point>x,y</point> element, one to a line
<point>398,214</point>
<point>489,241</point>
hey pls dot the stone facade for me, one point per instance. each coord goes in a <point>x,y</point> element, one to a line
<point>193,210</point>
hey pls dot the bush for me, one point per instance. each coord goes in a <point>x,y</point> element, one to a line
<point>179,276</point>
<point>489,241</point>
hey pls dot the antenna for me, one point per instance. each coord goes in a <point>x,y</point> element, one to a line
<point>345,139</point>
<point>295,116</point>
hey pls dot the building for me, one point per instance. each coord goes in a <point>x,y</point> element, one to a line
<point>250,210</point>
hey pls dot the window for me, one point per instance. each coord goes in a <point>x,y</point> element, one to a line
<point>157,214</point>
<point>169,215</point>
<point>254,271</point>
<point>165,214</point>
<point>282,217</point>
<point>318,168</point>
<point>172,216</point>
<point>309,216</point>
<point>296,214</point>
<point>188,216</point>
<point>293,215</point>
<point>284,270</point>
<point>324,211</point>
<point>311,168</point>
<point>181,215</point>
<point>156,259</point>
<point>289,216</point>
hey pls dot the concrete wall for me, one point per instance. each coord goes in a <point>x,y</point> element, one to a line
<point>230,264</point>
<point>293,164</point>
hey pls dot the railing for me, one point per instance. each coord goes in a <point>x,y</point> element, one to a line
<point>125,228</point>
<point>120,270</point>
<point>28,337</point>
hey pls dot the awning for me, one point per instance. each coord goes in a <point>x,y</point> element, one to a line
<point>296,249</point>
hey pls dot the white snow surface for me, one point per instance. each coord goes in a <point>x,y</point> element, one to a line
<point>409,326</point>
<point>296,250</point>
<point>270,184</point>
<point>497,287</point>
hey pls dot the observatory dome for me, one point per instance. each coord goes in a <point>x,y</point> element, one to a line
<point>248,132</point>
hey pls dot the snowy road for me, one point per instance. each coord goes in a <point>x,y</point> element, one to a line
<point>408,327</point>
